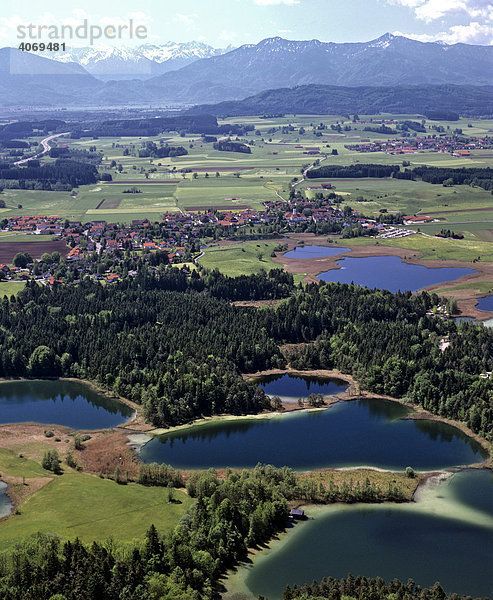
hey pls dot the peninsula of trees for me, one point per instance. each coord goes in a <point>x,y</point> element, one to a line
<point>176,344</point>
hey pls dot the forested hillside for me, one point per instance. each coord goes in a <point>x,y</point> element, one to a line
<point>330,99</point>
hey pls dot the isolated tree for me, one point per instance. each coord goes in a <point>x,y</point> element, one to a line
<point>22,259</point>
<point>42,362</point>
<point>51,462</point>
<point>170,492</point>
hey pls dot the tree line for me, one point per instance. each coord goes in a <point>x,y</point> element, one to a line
<point>353,171</point>
<point>63,171</point>
<point>475,176</point>
<point>369,588</point>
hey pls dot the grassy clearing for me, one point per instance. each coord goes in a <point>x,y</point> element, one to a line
<point>78,505</point>
<point>485,287</point>
<point>11,288</point>
<point>14,465</point>
<point>240,259</point>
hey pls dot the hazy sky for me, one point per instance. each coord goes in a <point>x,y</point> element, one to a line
<point>223,22</point>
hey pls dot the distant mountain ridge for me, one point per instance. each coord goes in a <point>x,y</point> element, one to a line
<point>248,70</point>
<point>326,99</point>
<point>31,80</point>
<point>276,62</point>
<point>140,62</point>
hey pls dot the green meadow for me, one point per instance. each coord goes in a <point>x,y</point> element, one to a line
<point>240,259</point>
<point>77,505</point>
<point>11,288</point>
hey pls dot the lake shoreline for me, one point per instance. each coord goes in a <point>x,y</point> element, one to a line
<point>234,586</point>
<point>108,446</point>
<point>135,420</point>
<point>312,267</point>
<point>418,413</point>
<point>352,393</point>
<point>137,423</point>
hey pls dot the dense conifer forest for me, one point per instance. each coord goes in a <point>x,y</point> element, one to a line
<point>63,172</point>
<point>480,177</point>
<point>177,345</point>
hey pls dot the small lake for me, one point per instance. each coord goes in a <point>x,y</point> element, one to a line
<point>391,273</point>
<point>348,434</point>
<point>5,503</point>
<point>314,251</point>
<point>465,320</point>
<point>485,303</point>
<point>67,403</point>
<point>291,388</point>
<point>425,541</point>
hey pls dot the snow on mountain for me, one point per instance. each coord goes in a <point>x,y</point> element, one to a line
<point>140,62</point>
<point>171,51</point>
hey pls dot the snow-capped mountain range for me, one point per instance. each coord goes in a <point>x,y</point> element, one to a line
<point>140,62</point>
<point>100,77</point>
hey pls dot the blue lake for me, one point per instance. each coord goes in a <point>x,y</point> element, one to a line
<point>57,402</point>
<point>485,303</point>
<point>361,432</point>
<point>446,536</point>
<point>290,387</point>
<point>5,504</point>
<point>391,273</point>
<point>314,251</point>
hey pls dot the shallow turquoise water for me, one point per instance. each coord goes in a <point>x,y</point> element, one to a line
<point>5,504</point>
<point>447,537</point>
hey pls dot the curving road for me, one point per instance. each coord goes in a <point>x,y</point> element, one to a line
<point>46,147</point>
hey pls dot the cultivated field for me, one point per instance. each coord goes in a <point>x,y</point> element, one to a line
<point>8,249</point>
<point>231,179</point>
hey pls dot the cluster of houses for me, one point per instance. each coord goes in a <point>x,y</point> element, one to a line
<point>175,234</point>
<point>459,147</point>
<point>36,224</point>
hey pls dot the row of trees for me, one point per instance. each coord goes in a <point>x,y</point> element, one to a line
<point>152,149</point>
<point>476,176</point>
<point>353,171</point>
<point>368,588</point>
